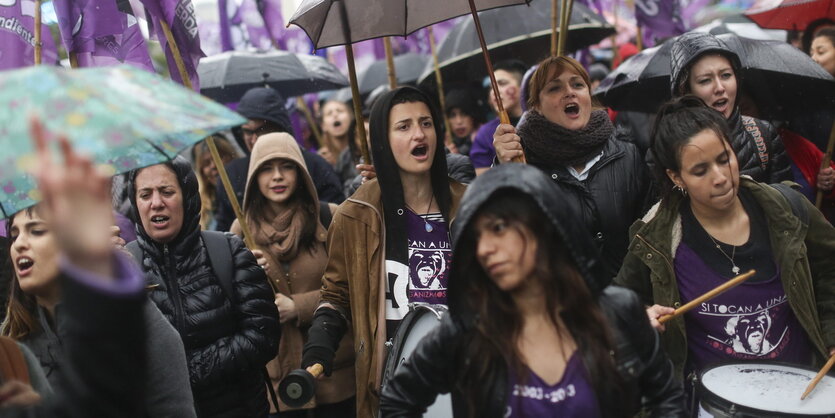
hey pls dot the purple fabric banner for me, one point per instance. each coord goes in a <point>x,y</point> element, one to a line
<point>102,33</point>
<point>223,24</point>
<point>658,19</point>
<point>179,14</point>
<point>17,39</point>
<point>258,35</point>
<point>274,23</point>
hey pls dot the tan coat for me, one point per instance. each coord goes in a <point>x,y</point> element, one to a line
<point>301,280</point>
<point>353,283</point>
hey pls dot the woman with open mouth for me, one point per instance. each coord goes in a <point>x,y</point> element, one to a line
<point>289,227</point>
<point>597,166</point>
<point>376,234</point>
<point>704,66</point>
<point>713,224</point>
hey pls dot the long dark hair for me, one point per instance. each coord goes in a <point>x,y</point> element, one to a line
<point>497,320</point>
<point>678,121</point>
<point>20,319</point>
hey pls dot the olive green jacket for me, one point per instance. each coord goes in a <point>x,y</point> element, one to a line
<point>805,255</point>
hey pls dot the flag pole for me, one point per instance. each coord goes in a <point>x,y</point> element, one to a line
<point>224,176</point>
<point>554,52</point>
<point>564,23</point>
<point>825,163</point>
<point>438,79</point>
<point>73,56</point>
<point>503,116</point>
<point>355,91</point>
<point>38,46</point>
<point>308,116</point>
<point>392,72</point>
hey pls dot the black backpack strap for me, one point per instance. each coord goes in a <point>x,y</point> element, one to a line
<point>325,215</point>
<point>796,200</point>
<point>220,256</point>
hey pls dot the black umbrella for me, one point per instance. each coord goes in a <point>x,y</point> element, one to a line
<point>780,79</point>
<point>227,76</point>
<point>407,67</point>
<point>522,32</point>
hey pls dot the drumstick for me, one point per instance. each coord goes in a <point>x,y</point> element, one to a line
<point>712,293</point>
<point>818,377</point>
<point>315,370</point>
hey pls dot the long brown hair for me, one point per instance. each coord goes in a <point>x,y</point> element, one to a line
<point>20,319</point>
<point>497,320</point>
<point>206,186</point>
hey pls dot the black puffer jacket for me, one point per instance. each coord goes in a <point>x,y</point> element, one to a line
<point>227,346</point>
<point>432,368</point>
<point>765,160</point>
<point>612,197</point>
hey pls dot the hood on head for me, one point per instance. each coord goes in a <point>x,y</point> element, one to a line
<point>688,48</point>
<point>463,99</point>
<point>265,103</point>
<point>534,183</point>
<point>271,146</point>
<point>191,198</point>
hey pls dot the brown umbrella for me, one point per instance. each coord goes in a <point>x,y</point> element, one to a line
<point>330,22</point>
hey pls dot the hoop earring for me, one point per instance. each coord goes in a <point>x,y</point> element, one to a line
<point>680,189</point>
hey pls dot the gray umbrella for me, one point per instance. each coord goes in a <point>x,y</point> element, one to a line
<point>227,76</point>
<point>407,67</point>
<point>520,32</point>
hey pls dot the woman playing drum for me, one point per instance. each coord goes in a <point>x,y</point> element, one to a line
<point>710,225</point>
<point>388,245</point>
<point>530,332</point>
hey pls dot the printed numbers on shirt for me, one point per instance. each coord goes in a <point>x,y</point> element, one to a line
<point>537,393</point>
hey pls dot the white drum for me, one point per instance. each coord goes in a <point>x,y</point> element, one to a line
<point>420,320</point>
<point>763,390</point>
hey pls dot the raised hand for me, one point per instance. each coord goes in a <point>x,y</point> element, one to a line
<point>76,203</point>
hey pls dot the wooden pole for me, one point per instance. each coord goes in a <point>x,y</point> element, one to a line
<point>503,116</point>
<point>564,24</point>
<point>708,295</point>
<point>824,370</point>
<point>308,116</point>
<point>827,158</point>
<point>392,72</point>
<point>73,59</point>
<point>439,80</point>
<point>38,43</point>
<point>554,25</point>
<point>639,39</point>
<point>355,91</point>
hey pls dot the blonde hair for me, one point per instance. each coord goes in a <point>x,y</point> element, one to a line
<point>206,186</point>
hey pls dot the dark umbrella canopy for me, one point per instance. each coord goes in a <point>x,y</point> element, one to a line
<point>368,19</point>
<point>520,32</point>
<point>781,80</point>
<point>227,76</point>
<point>407,67</point>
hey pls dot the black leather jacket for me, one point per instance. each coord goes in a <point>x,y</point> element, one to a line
<point>227,344</point>
<point>640,360</point>
<point>777,168</point>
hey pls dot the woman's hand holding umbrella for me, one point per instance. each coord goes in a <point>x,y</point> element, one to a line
<point>826,179</point>
<point>508,145</point>
<point>77,203</point>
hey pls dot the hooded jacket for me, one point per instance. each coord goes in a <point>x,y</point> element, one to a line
<point>227,344</point>
<point>300,279</point>
<point>431,369</point>
<point>803,253</point>
<point>267,104</point>
<point>365,232</point>
<point>686,51</point>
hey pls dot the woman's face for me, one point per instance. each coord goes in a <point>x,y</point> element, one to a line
<point>412,137</point>
<point>565,100</point>
<point>823,52</point>
<point>34,254</point>
<point>462,124</point>
<point>506,252</point>
<point>159,200</point>
<point>709,172</point>
<point>336,118</point>
<point>277,180</point>
<point>712,79</point>
<point>209,170</point>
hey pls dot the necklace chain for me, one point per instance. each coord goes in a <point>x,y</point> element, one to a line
<point>734,268</point>
<point>426,225</point>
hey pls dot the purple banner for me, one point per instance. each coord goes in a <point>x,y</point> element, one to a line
<point>258,35</point>
<point>179,14</point>
<point>17,39</point>
<point>274,23</point>
<point>658,19</point>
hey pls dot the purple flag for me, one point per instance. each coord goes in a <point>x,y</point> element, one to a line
<point>102,33</point>
<point>658,19</point>
<point>17,39</point>
<point>179,14</point>
<point>274,23</point>
<point>223,24</point>
<point>258,34</point>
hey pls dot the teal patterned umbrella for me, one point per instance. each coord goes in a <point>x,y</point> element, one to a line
<point>122,117</point>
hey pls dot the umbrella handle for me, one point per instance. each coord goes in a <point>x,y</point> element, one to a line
<point>505,118</point>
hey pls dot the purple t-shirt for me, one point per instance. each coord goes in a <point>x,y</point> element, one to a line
<point>482,151</point>
<point>572,396</point>
<point>752,321</point>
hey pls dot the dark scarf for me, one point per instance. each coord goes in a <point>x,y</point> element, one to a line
<point>548,145</point>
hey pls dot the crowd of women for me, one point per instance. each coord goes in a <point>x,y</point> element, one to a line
<point>553,276</point>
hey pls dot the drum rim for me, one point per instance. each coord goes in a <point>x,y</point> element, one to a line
<point>707,395</point>
<point>406,325</point>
